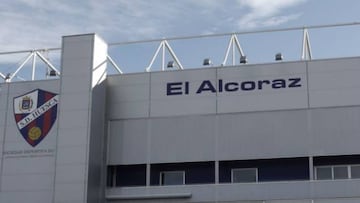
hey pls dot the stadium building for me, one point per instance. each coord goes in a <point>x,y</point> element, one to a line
<point>281,132</point>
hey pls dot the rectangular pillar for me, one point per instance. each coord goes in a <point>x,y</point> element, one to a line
<point>80,144</point>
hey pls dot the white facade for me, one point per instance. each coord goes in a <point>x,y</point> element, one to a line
<point>284,119</point>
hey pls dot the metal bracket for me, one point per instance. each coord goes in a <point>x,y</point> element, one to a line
<point>164,45</point>
<point>32,55</point>
<point>233,43</point>
<point>112,62</point>
<point>306,47</point>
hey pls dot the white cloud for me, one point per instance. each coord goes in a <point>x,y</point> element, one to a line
<point>28,24</point>
<point>265,12</point>
<point>277,20</point>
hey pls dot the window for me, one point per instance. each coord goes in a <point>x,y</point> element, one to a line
<point>324,173</point>
<point>340,172</point>
<point>355,171</point>
<point>111,176</point>
<point>244,175</point>
<point>337,172</point>
<point>172,178</point>
<point>126,175</point>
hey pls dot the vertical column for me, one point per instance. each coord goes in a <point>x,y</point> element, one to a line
<point>4,87</point>
<point>311,168</point>
<point>3,106</point>
<point>148,150</point>
<point>217,163</point>
<point>80,143</point>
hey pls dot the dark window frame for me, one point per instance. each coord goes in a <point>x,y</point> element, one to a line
<point>162,173</point>
<point>244,169</point>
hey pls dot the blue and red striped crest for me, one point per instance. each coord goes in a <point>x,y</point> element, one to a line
<point>35,113</point>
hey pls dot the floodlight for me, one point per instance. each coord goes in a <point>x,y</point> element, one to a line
<point>207,62</point>
<point>52,73</point>
<point>171,64</point>
<point>279,57</point>
<point>7,77</point>
<point>243,59</point>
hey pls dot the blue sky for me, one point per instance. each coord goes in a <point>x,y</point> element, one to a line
<point>30,24</point>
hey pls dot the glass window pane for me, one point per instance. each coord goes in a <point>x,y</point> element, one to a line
<point>244,175</point>
<point>172,178</point>
<point>340,172</point>
<point>355,171</point>
<point>323,173</point>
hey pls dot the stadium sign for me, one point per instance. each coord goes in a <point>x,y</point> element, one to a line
<point>183,88</point>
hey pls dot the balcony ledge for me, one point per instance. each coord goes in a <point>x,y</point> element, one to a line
<point>150,196</point>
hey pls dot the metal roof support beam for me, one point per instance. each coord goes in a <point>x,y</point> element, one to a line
<point>33,66</point>
<point>306,47</point>
<point>233,43</point>
<point>154,57</point>
<point>162,46</point>
<point>21,66</point>
<point>112,62</point>
<point>32,56</point>
<point>2,76</point>
<point>47,62</point>
<point>172,53</point>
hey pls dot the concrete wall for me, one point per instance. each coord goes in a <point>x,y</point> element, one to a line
<point>319,117</point>
<point>287,122</point>
<point>323,83</point>
<point>339,191</point>
<point>27,172</point>
<point>334,82</point>
<point>68,164</point>
<point>97,151</point>
<point>295,133</point>
<point>145,95</point>
<point>4,88</point>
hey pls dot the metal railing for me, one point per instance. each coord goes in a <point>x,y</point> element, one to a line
<point>234,49</point>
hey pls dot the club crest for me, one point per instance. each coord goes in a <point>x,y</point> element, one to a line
<point>35,113</point>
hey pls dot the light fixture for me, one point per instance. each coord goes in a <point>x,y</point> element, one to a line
<point>171,64</point>
<point>207,62</point>
<point>52,73</point>
<point>243,59</point>
<point>279,57</point>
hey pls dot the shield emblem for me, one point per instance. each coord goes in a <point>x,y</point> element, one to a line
<point>35,113</point>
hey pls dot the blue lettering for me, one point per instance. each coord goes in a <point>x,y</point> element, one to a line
<point>186,87</point>
<point>261,82</point>
<point>294,82</point>
<point>234,87</point>
<point>220,85</point>
<point>278,83</point>
<point>206,86</point>
<point>248,85</point>
<point>174,88</point>
<point>183,88</point>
